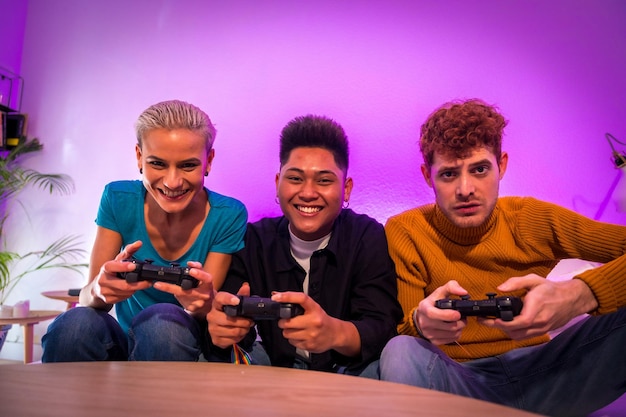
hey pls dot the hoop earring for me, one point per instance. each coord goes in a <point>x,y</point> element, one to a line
<point>141,171</point>
<point>206,174</point>
<point>276,200</point>
<point>345,204</point>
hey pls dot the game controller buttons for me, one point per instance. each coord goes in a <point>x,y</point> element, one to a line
<point>260,308</point>
<point>147,271</point>
<point>505,308</point>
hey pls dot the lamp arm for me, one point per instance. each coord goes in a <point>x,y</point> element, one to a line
<point>619,159</point>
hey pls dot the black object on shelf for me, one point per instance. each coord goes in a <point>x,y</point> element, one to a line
<point>11,90</point>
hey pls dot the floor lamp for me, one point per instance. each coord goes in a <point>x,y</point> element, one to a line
<point>619,160</point>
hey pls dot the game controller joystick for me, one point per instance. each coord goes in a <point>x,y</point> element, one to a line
<point>504,307</point>
<point>146,271</point>
<point>259,308</point>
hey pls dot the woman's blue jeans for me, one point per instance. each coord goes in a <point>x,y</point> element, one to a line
<point>161,332</point>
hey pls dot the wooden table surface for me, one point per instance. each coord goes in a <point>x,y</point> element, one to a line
<point>215,389</point>
<point>34,316</point>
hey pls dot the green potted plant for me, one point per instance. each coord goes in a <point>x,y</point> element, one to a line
<point>62,253</point>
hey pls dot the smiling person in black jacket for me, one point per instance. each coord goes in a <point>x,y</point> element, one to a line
<point>320,255</point>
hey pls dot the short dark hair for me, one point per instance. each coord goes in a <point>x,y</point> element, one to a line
<point>313,131</point>
<point>458,127</point>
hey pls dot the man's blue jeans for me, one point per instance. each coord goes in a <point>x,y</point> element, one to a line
<point>259,356</point>
<point>579,371</point>
<point>161,332</point>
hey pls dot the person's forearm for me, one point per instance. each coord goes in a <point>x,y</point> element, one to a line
<point>86,298</point>
<point>585,301</point>
<point>347,339</point>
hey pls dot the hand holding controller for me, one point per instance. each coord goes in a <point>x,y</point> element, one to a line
<point>504,308</point>
<point>260,308</point>
<point>146,271</point>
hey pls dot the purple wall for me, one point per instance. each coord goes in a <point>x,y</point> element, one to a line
<point>556,70</point>
<point>13,15</point>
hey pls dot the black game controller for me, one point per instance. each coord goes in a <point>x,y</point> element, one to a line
<point>504,308</point>
<point>259,308</point>
<point>146,271</point>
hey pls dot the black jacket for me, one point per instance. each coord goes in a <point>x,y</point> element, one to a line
<point>352,279</point>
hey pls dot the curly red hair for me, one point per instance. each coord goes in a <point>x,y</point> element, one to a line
<point>457,128</point>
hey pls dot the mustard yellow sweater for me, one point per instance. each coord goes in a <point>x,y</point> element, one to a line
<point>522,236</point>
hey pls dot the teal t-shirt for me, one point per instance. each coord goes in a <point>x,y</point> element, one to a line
<point>121,210</point>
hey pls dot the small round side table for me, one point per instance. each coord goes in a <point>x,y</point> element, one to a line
<point>28,323</point>
<point>71,300</point>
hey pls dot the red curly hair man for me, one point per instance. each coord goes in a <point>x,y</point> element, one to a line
<point>471,242</point>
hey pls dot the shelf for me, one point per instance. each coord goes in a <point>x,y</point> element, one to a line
<point>11,88</point>
<point>7,109</point>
